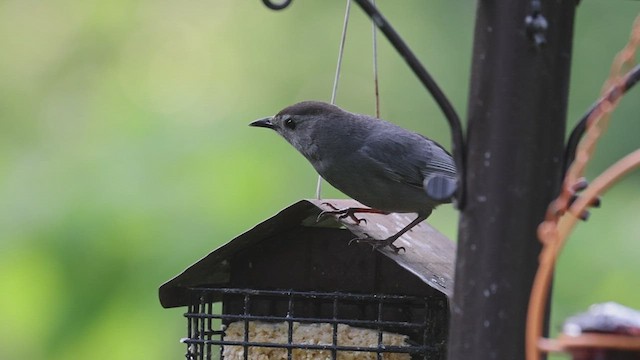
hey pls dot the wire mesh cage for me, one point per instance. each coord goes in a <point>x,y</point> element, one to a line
<point>267,324</point>
<point>294,288</point>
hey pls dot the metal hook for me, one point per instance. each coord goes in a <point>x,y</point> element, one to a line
<point>630,80</point>
<point>277,5</point>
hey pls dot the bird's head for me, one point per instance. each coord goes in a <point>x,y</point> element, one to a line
<point>301,124</point>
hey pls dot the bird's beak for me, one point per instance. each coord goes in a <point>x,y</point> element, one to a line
<point>264,122</point>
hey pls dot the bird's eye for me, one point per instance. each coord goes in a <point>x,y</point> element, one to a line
<point>290,123</point>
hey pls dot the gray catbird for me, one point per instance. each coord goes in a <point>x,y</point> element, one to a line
<point>373,161</point>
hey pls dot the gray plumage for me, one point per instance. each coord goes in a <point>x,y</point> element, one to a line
<point>373,161</point>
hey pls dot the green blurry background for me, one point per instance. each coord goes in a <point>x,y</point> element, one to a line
<point>125,153</point>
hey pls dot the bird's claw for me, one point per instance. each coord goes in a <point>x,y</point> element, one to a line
<point>341,214</point>
<point>330,205</point>
<point>378,244</point>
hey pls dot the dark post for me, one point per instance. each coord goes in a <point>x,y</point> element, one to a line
<point>516,127</point>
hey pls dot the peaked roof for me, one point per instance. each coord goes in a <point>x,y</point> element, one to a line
<point>429,255</point>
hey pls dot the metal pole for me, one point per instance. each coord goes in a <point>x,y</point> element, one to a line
<point>516,127</point>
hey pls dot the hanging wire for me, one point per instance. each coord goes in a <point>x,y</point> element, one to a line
<point>336,79</point>
<point>376,88</point>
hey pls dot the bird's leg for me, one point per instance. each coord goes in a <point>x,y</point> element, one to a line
<point>377,244</point>
<point>348,212</point>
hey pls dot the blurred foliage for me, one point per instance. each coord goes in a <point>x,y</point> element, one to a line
<point>125,155</point>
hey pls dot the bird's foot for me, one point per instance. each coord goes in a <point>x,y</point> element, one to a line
<point>379,244</point>
<point>347,213</point>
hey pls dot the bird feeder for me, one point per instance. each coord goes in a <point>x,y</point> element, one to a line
<point>293,287</point>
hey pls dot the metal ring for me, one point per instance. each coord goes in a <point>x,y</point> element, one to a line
<point>277,5</point>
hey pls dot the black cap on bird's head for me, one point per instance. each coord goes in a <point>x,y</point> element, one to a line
<point>302,109</point>
<point>298,120</point>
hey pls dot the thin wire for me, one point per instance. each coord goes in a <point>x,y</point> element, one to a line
<point>340,52</point>
<point>336,79</point>
<point>376,89</point>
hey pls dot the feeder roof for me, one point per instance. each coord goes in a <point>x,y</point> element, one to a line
<point>429,255</point>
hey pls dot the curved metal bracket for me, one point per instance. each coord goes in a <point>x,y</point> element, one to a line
<point>425,78</point>
<point>631,79</point>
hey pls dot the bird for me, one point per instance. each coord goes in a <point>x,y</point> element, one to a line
<point>379,164</point>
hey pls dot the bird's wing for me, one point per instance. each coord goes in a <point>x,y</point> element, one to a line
<point>409,161</point>
<point>441,162</point>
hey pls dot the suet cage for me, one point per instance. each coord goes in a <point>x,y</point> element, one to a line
<point>294,288</point>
